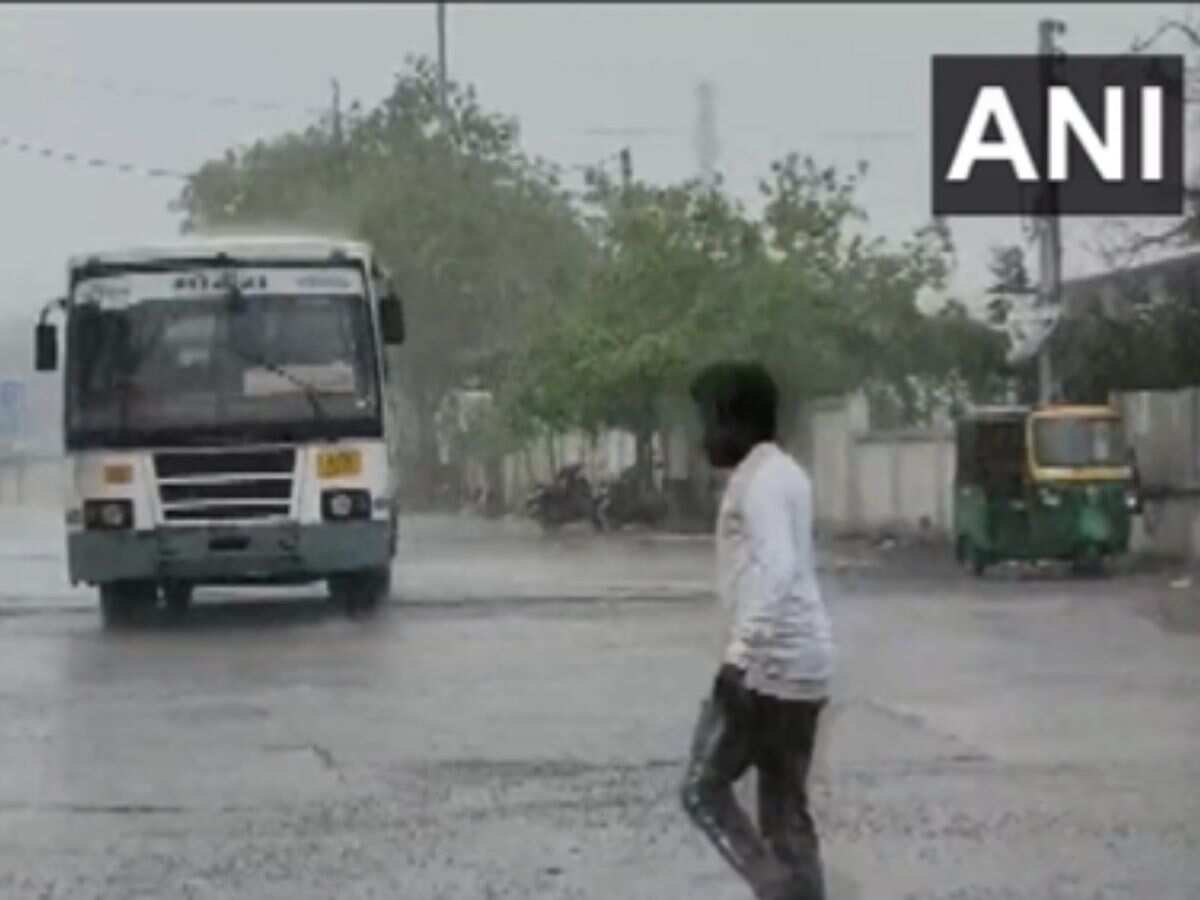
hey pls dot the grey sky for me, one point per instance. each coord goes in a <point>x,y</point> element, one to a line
<point>811,78</point>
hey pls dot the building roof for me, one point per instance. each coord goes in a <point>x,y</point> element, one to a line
<point>1036,326</point>
<point>1170,261</point>
<point>282,247</point>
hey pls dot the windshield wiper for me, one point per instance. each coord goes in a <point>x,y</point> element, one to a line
<point>309,390</point>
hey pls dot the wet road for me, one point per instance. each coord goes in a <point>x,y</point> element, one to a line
<point>514,726</point>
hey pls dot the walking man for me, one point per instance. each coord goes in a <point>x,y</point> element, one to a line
<point>773,679</point>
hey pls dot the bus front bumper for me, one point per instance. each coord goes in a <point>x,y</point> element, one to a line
<point>252,554</point>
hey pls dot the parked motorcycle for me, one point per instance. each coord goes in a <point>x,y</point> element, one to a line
<point>569,498</point>
<point>623,501</point>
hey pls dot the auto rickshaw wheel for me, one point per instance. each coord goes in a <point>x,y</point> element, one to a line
<point>978,563</point>
<point>1089,563</point>
<point>973,557</point>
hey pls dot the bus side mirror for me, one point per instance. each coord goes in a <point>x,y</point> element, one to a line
<point>46,347</point>
<point>391,319</point>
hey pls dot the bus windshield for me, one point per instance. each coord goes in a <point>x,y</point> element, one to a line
<point>217,363</point>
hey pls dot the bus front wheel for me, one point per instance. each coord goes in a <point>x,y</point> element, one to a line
<point>177,595</point>
<point>361,593</point>
<point>121,602</point>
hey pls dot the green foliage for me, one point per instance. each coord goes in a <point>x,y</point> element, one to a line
<point>687,276</point>
<point>1150,348</point>
<point>1010,283</point>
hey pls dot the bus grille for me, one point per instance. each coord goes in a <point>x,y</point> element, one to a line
<point>225,486</point>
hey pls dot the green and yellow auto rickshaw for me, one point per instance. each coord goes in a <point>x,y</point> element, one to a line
<point>1047,483</point>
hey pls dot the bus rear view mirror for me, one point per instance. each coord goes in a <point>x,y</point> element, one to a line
<point>391,319</point>
<point>46,347</point>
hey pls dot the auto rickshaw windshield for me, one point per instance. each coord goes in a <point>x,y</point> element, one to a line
<point>1077,443</point>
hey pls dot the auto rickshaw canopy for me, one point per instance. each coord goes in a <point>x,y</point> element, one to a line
<point>991,448</point>
<point>998,447</point>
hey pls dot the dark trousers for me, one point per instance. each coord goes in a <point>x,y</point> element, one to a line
<point>739,728</point>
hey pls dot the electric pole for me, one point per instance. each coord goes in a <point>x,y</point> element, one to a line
<point>706,132</point>
<point>336,118</point>
<point>441,32</point>
<point>1049,226</point>
<point>626,171</point>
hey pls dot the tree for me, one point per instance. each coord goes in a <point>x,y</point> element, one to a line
<point>685,276</point>
<point>1140,347</point>
<point>479,238</point>
<point>1012,290</point>
<point>1010,282</point>
<point>611,360</point>
<point>854,300</point>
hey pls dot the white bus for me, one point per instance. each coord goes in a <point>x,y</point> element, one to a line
<point>226,420</point>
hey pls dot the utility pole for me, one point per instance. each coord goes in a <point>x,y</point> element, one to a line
<point>336,118</point>
<point>643,440</point>
<point>706,132</point>
<point>626,171</point>
<point>1049,226</point>
<point>441,31</point>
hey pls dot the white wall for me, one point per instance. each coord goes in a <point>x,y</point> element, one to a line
<point>833,426</point>
<point>875,472</point>
<point>1164,428</point>
<point>869,481</point>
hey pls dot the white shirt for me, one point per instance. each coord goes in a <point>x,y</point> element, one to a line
<point>781,634</point>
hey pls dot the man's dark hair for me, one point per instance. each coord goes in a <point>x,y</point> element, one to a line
<point>741,394</point>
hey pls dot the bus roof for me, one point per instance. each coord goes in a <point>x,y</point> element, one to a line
<point>258,248</point>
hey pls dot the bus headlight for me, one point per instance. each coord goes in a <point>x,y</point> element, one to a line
<point>1050,498</point>
<point>107,515</point>
<point>346,504</point>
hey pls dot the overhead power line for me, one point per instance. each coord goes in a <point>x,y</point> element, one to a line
<point>32,148</point>
<point>100,163</point>
<point>44,151</point>
<point>251,104</point>
<point>141,92</point>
